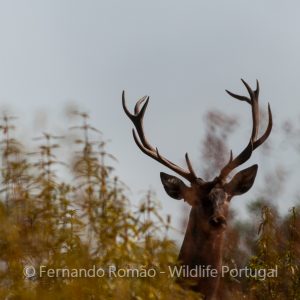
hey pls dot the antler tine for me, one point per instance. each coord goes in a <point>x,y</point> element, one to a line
<point>145,146</point>
<point>241,98</point>
<point>254,142</point>
<point>239,160</point>
<point>188,162</point>
<point>266,134</point>
<point>137,108</point>
<point>137,118</point>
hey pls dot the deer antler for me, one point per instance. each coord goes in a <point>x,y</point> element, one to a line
<point>145,146</point>
<point>254,142</point>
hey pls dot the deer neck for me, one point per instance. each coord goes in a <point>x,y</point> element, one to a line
<point>201,246</point>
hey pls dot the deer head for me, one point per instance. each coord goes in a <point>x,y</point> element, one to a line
<point>210,198</point>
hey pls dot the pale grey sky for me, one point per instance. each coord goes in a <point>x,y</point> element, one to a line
<point>184,54</point>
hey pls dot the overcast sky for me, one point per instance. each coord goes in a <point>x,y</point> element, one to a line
<point>183,54</point>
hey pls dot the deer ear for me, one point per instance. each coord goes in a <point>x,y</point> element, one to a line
<point>173,186</point>
<point>242,181</point>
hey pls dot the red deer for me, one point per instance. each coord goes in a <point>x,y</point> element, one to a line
<point>209,201</point>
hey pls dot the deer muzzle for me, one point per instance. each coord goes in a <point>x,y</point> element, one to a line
<point>218,222</point>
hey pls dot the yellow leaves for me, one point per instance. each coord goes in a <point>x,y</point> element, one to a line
<point>85,219</point>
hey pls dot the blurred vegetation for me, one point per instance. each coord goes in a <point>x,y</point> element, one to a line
<point>85,222</point>
<point>268,239</point>
<point>86,219</point>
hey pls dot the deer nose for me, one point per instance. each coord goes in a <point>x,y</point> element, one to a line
<point>217,221</point>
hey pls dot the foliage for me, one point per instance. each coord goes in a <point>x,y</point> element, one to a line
<point>271,241</point>
<point>274,245</point>
<point>87,223</point>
